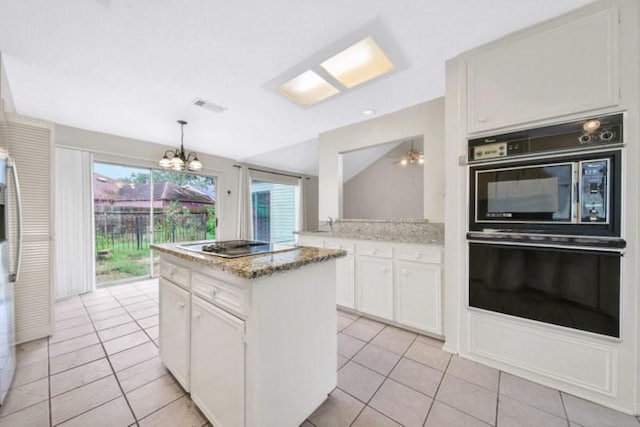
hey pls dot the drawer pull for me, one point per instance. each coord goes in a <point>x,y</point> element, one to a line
<point>213,293</point>
<point>374,251</point>
<point>417,255</point>
<point>384,270</point>
<point>181,305</point>
<point>196,315</point>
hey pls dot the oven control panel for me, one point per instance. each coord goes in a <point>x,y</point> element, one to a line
<point>575,136</point>
<point>594,191</point>
<point>490,151</point>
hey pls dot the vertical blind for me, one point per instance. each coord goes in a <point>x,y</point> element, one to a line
<point>74,225</point>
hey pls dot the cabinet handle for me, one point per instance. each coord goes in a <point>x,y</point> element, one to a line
<point>482,118</point>
<point>196,315</point>
<point>213,293</point>
<point>384,269</point>
<point>417,255</point>
<point>181,305</point>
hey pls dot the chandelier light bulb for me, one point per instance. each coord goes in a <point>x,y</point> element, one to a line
<point>177,159</point>
<point>195,165</point>
<point>165,162</point>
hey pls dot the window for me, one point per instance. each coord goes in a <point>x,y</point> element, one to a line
<point>274,210</point>
<point>134,208</point>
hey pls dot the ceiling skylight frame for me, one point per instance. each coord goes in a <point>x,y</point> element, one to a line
<point>374,29</point>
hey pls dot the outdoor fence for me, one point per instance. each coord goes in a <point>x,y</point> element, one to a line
<point>129,231</point>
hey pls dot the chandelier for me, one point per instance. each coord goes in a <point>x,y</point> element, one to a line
<point>178,159</point>
<point>412,157</point>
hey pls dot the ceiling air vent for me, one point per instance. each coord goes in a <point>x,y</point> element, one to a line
<point>199,102</point>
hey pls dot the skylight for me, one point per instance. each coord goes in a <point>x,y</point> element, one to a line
<point>358,63</point>
<point>348,64</point>
<point>308,88</point>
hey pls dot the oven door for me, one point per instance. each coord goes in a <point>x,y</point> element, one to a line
<point>574,288</point>
<point>534,194</point>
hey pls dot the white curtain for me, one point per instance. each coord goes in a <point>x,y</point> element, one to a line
<point>74,260</point>
<point>301,204</point>
<point>245,220</point>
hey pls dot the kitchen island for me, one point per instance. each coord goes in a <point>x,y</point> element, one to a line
<point>253,339</point>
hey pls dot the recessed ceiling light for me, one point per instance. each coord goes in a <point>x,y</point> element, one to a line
<point>308,88</point>
<point>358,63</point>
<point>368,112</point>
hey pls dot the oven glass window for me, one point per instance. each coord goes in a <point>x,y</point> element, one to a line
<point>540,193</point>
<point>578,289</point>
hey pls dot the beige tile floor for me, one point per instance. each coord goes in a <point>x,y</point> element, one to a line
<point>101,368</point>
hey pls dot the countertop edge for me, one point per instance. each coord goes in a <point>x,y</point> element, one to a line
<point>332,235</point>
<point>255,266</point>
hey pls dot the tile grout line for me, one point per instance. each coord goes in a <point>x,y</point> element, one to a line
<point>49,382</point>
<point>136,320</point>
<point>107,357</point>
<point>386,377</point>
<point>411,388</point>
<point>115,376</point>
<point>435,393</point>
<point>498,398</point>
<point>148,336</point>
<point>564,408</point>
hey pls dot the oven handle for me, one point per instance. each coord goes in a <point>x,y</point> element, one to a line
<point>618,251</point>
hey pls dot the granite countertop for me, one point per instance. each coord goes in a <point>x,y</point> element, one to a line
<point>255,266</point>
<point>380,236</point>
<point>407,230</point>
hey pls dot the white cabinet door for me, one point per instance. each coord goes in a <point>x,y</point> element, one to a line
<point>418,293</point>
<point>374,294</point>
<point>316,242</point>
<point>345,272</point>
<point>217,364</point>
<point>564,70</point>
<point>345,281</point>
<point>174,333</point>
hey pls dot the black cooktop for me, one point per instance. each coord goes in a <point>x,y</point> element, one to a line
<point>235,248</point>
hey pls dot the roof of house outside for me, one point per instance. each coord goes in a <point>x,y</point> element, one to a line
<point>108,189</point>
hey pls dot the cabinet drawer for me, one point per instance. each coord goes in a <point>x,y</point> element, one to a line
<point>221,294</point>
<point>432,254</point>
<point>175,273</point>
<point>340,244</point>
<point>381,250</point>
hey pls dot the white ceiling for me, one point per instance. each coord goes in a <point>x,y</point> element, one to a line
<point>132,68</point>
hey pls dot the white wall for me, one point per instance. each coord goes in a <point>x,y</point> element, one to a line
<point>6,99</point>
<point>386,189</point>
<point>425,119</point>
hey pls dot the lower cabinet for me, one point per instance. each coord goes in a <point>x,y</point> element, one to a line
<point>175,320</point>
<point>397,281</point>
<point>417,295</point>
<point>251,354</point>
<point>217,364</point>
<point>345,281</point>
<point>374,286</point>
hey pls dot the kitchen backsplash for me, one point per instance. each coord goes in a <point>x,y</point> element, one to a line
<point>406,230</point>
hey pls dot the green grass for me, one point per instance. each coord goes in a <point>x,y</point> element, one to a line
<point>122,265</point>
<point>124,262</point>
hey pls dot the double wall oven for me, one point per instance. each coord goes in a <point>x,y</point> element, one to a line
<point>544,224</point>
